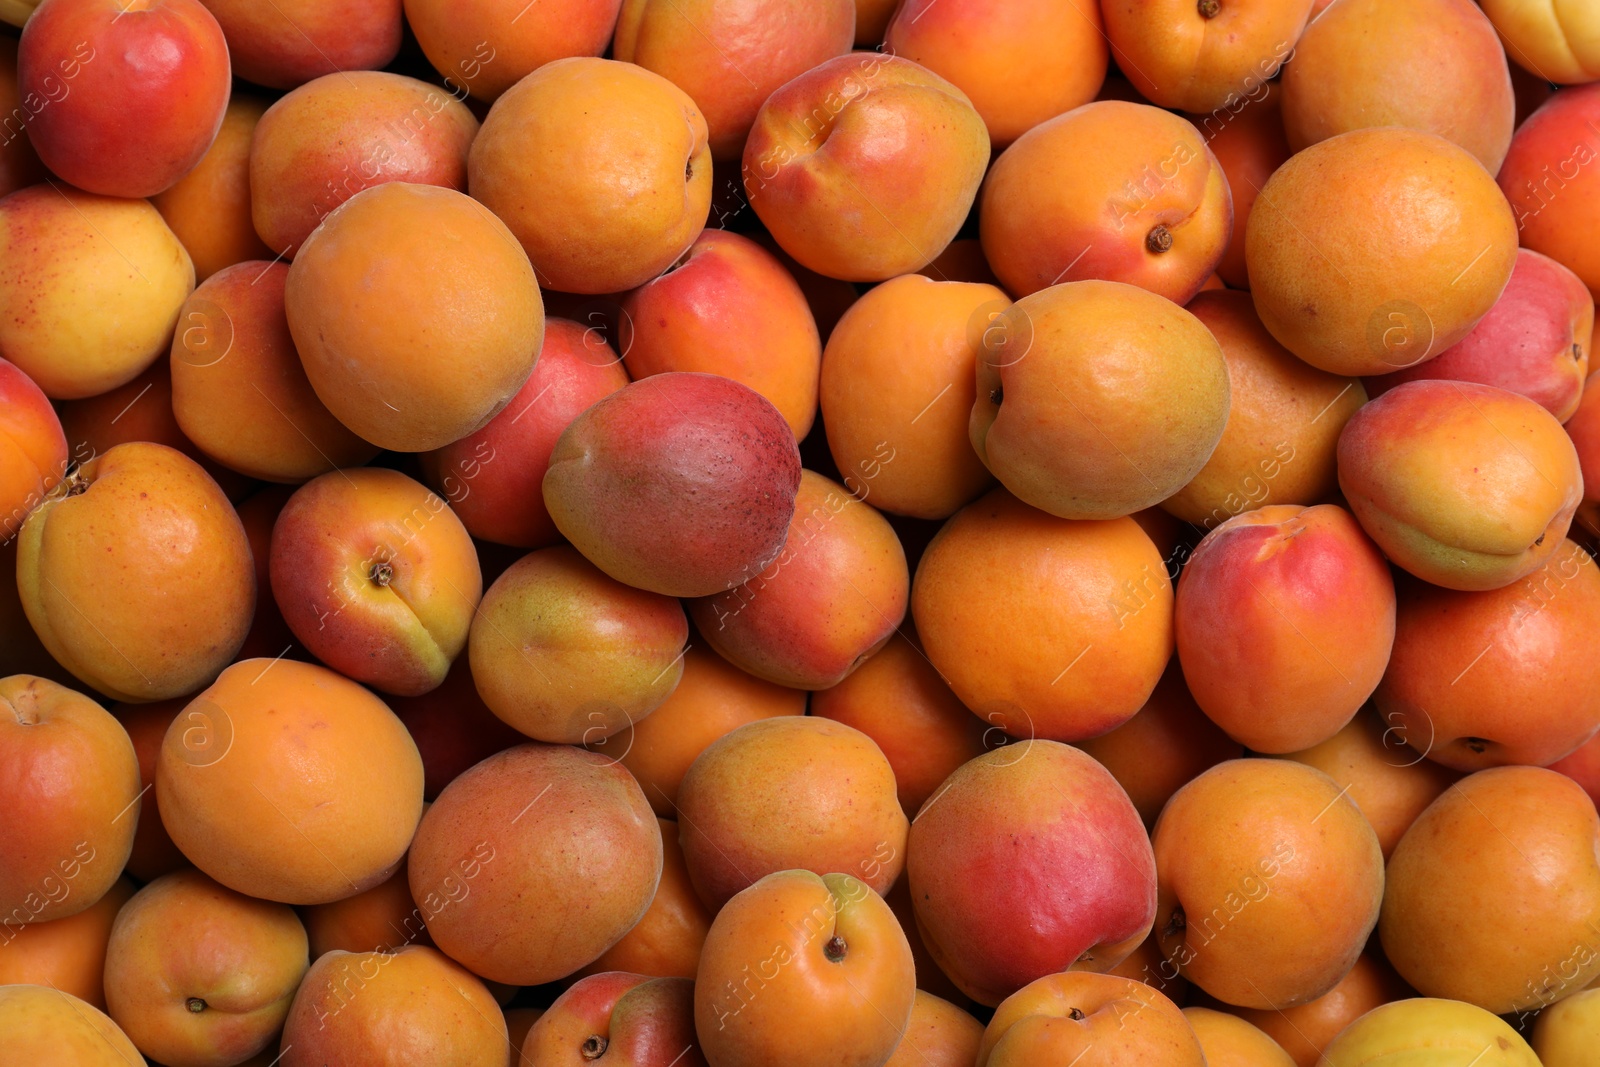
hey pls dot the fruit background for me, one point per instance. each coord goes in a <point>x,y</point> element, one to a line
<point>799,533</point>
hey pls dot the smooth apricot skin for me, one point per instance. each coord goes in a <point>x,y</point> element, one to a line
<point>666,941</point>
<point>1305,1030</point>
<point>897,389</point>
<point>1200,57</point>
<point>1565,1032</point>
<point>338,827</point>
<point>730,308</point>
<point>632,1019</point>
<point>1246,137</point>
<point>290,42</point>
<point>33,448</point>
<point>1111,190</point>
<point>153,853</point>
<point>92,300</point>
<point>938,1035</point>
<point>1357,268</point>
<point>520,844</point>
<point>1044,627</point>
<point>730,57</point>
<point>44,1025</point>
<point>1166,743</point>
<point>1229,1041</point>
<point>199,975</point>
<point>1465,486</point>
<point>1098,1020</point>
<point>1265,903</point>
<point>865,166</point>
<point>381,919</point>
<point>713,697</point>
<point>1551,182</point>
<point>469,322</point>
<point>1366,64</point>
<point>1559,43</point>
<point>1030,859</point>
<point>1279,445</point>
<point>1485,679</point>
<point>832,980</point>
<point>1019,63</point>
<point>492,477</point>
<point>65,954</point>
<point>789,793</point>
<point>133,123</point>
<point>484,47</point>
<point>618,223</point>
<point>1470,914</point>
<point>169,596</point>
<point>1149,399</point>
<point>238,389</point>
<point>407,1009</point>
<point>209,209</point>
<point>681,484</point>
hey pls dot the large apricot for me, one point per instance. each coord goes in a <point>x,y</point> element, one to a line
<point>33,448</point>
<point>1202,56</point>
<point>209,209</point>
<point>1552,180</point>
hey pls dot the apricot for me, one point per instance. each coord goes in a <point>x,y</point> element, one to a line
<point>938,1035</point>
<point>1558,43</point>
<point>522,843</point>
<point>1019,63</point>
<point>209,209</point>
<point>681,484</point>
<point>1166,743</point>
<point>786,793</point>
<point>1564,1033</point>
<point>1535,341</point>
<point>452,727</point>
<point>19,163</point>
<point>1493,894</point>
<point>1466,486</point>
<point>1202,56</point>
<point>412,1008</point>
<point>167,600</point>
<point>153,853</point>
<point>470,320</point>
<point>1097,1020</point>
<point>836,985</point>
<point>1111,190</point>
<point>68,954</point>
<point>1044,627</point>
<point>897,389</point>
<point>666,941</point>
<point>1146,964</point>
<point>865,166</point>
<point>630,1019</point>
<point>1246,137</point>
<point>1279,445</point>
<point>1358,269</point>
<point>1435,66</point>
<point>1488,678</point>
<point>376,577</point>
<point>289,42</point>
<point>33,448</point>
<point>729,307</point>
<point>714,52</point>
<point>1306,1029</point>
<point>89,288</point>
<point>238,389</point>
<point>1229,1041</point>
<point>633,210</point>
<point>44,1025</point>
<point>1030,859</point>
<point>484,47</point>
<point>713,697</point>
<point>1145,382</point>
<point>339,826</point>
<point>343,133</point>
<point>1270,882</point>
<point>381,919</point>
<point>896,698</point>
<point>197,974</point>
<point>1551,182</point>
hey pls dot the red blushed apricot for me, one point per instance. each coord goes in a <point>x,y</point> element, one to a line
<point>289,42</point>
<point>484,47</point>
<point>1552,181</point>
<point>1019,63</point>
<point>833,595</point>
<point>1044,627</point>
<point>666,942</point>
<point>711,50</point>
<point>153,853</point>
<point>453,728</point>
<point>210,208</point>
<point>1584,429</point>
<point>381,919</point>
<point>1306,1029</point>
<point>897,390</point>
<point>1246,137</point>
<point>1284,622</point>
<point>19,163</point>
<point>898,699</point>
<point>1200,56</point>
<point>713,697</point>
<point>1484,679</point>
<point>1166,743</point>
<point>629,1018</point>
<point>729,307</point>
<point>68,954</point>
<point>1111,190</point>
<point>33,448</point>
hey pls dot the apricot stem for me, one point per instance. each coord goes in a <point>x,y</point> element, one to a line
<point>996,395</point>
<point>381,573</point>
<point>834,949</point>
<point>1477,744</point>
<point>1159,239</point>
<point>195,1004</point>
<point>1175,924</point>
<point>593,1047</point>
<point>1210,8</point>
<point>1577,350</point>
<point>1075,1014</point>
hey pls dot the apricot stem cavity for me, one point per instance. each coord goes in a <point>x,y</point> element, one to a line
<point>593,1047</point>
<point>195,1005</point>
<point>834,949</point>
<point>1159,240</point>
<point>381,574</point>
<point>1209,9</point>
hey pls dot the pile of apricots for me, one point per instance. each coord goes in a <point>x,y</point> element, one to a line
<point>799,533</point>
